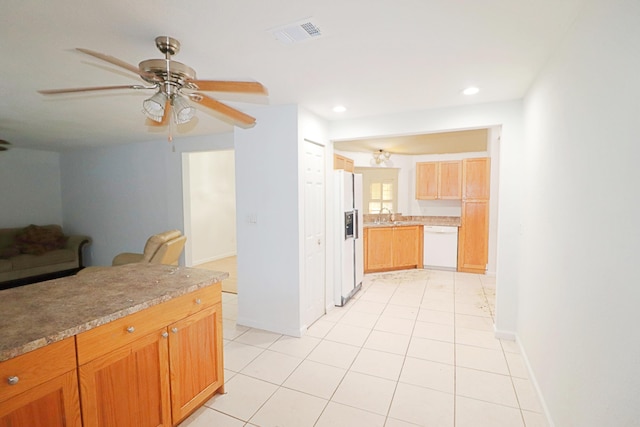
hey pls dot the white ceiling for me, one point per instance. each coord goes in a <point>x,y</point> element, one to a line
<point>375,57</point>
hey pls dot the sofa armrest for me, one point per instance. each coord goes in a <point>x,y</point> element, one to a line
<point>76,243</point>
<point>126,258</point>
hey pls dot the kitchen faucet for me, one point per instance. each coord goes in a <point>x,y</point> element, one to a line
<point>380,214</point>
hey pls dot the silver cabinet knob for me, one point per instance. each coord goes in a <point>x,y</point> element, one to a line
<point>198,301</point>
<point>165,334</point>
<point>174,330</point>
<point>13,380</point>
<point>131,329</point>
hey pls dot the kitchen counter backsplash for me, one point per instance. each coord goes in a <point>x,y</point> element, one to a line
<point>424,220</point>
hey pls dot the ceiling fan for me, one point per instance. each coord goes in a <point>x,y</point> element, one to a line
<point>3,145</point>
<point>174,83</point>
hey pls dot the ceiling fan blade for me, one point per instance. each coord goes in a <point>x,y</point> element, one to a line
<point>118,62</point>
<point>240,118</point>
<point>3,142</point>
<point>91,89</point>
<point>229,86</point>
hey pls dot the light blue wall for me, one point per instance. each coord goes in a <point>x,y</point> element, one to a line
<point>121,195</point>
<point>267,221</point>
<point>29,188</point>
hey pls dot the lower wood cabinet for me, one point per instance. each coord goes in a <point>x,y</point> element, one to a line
<point>40,388</point>
<point>195,360</point>
<point>393,248</point>
<point>153,368</point>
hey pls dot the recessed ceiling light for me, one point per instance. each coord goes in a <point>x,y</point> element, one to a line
<point>471,90</point>
<point>339,109</point>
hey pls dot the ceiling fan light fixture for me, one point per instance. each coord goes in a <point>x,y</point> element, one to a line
<point>154,106</point>
<point>182,110</point>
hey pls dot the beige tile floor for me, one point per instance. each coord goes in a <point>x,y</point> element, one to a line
<point>413,348</point>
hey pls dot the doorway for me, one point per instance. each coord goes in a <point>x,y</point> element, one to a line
<point>210,212</point>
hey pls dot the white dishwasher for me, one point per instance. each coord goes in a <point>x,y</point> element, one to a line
<point>440,247</point>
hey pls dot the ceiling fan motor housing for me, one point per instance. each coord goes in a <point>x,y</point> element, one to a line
<point>172,74</point>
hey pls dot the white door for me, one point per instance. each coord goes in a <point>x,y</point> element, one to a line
<point>314,233</point>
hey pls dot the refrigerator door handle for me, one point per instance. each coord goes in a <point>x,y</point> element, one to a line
<point>356,231</point>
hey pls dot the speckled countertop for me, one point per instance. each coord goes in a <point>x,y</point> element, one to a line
<point>33,316</point>
<point>454,221</point>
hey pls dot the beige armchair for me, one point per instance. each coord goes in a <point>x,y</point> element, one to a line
<point>162,248</point>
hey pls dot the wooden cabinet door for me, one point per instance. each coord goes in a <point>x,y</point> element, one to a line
<point>378,248</point>
<point>476,178</point>
<point>427,180</point>
<point>54,403</point>
<point>450,180</point>
<point>473,237</point>
<point>128,387</point>
<point>195,360</point>
<point>407,247</point>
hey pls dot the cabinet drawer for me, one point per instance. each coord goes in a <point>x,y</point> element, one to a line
<point>36,367</point>
<point>103,339</point>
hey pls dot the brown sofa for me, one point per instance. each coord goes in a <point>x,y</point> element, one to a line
<point>35,253</point>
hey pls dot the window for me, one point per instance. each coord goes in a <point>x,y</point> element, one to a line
<point>380,189</point>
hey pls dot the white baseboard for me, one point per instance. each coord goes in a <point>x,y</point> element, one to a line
<point>214,258</point>
<point>532,377</point>
<point>251,323</point>
<point>504,335</point>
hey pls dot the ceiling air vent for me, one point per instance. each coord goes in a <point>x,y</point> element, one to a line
<point>297,32</point>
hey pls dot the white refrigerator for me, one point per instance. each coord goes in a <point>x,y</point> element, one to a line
<point>349,249</point>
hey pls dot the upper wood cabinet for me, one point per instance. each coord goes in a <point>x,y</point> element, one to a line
<point>341,162</point>
<point>40,388</point>
<point>439,180</point>
<point>476,178</point>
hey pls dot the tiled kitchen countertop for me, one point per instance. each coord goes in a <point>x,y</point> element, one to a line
<point>369,221</point>
<point>33,316</point>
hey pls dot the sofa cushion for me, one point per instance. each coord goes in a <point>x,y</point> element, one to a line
<point>5,265</point>
<point>8,252</point>
<point>57,256</point>
<point>36,240</point>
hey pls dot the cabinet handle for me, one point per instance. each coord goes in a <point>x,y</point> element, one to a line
<point>198,301</point>
<point>174,330</point>
<point>165,334</point>
<point>131,329</point>
<point>13,380</point>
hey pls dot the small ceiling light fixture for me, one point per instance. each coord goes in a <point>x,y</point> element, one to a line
<point>154,106</point>
<point>381,156</point>
<point>182,110</point>
<point>471,90</point>
<point>339,109</point>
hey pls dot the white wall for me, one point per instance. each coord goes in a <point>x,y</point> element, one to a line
<point>210,206</point>
<point>121,195</point>
<point>578,302</point>
<point>30,192</point>
<point>267,220</point>
<point>507,116</point>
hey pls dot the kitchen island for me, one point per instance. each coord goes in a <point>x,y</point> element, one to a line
<point>144,343</point>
